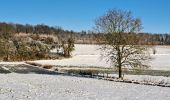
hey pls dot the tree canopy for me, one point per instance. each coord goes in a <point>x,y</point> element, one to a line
<point>121,44</point>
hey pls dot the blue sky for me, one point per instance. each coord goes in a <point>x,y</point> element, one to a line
<point>79,15</point>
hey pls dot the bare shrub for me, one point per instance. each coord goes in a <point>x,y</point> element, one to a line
<point>47,66</point>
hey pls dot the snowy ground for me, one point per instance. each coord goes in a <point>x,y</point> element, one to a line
<point>89,55</point>
<point>33,83</point>
<point>57,87</point>
<point>161,60</point>
<point>13,63</point>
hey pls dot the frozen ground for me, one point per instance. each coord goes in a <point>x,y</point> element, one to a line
<point>161,60</point>
<point>25,82</point>
<point>89,55</point>
<point>57,87</point>
<point>13,63</point>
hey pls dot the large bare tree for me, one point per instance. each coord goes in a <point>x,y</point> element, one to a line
<point>121,46</point>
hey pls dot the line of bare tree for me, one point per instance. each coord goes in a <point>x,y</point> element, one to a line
<point>84,37</point>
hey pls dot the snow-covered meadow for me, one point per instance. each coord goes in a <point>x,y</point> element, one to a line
<point>44,86</point>
<point>57,87</point>
<point>89,55</point>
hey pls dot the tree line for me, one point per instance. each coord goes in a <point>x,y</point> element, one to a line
<point>7,29</point>
<point>83,37</point>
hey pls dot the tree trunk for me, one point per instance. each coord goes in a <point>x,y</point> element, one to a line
<point>119,62</point>
<point>120,71</point>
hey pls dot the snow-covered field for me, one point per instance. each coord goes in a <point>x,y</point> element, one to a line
<point>57,87</point>
<point>45,86</point>
<point>89,55</point>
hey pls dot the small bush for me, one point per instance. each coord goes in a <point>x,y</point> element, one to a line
<point>86,72</point>
<point>49,40</point>
<point>82,72</point>
<point>47,66</point>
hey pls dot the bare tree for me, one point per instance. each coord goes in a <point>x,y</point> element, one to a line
<point>120,40</point>
<point>68,47</point>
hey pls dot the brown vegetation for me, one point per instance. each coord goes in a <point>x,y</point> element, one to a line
<point>47,66</point>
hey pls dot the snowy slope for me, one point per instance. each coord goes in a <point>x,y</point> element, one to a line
<point>56,87</point>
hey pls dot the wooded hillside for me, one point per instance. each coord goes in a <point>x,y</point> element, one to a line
<point>84,37</point>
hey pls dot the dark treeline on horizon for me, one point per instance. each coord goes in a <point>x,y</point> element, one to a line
<point>80,37</point>
<point>88,37</point>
